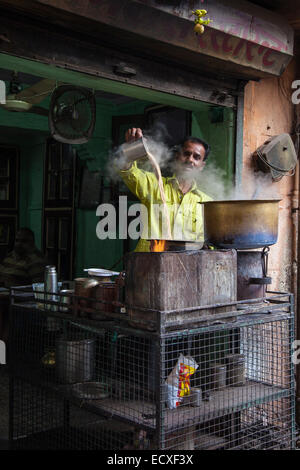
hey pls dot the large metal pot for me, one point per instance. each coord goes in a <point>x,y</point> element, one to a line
<point>241,224</point>
<point>75,360</point>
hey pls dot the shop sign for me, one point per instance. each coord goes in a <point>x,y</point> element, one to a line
<point>257,42</point>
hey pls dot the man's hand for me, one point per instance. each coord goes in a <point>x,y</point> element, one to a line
<point>133,134</point>
<point>130,136</point>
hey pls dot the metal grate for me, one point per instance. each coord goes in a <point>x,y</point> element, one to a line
<point>78,384</point>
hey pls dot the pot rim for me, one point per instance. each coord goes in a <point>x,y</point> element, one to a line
<point>238,201</point>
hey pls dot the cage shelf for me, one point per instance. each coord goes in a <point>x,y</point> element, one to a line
<point>135,364</point>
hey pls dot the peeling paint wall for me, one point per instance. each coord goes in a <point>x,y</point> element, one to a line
<point>269,111</point>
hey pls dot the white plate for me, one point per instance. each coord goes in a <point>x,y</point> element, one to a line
<point>101,272</point>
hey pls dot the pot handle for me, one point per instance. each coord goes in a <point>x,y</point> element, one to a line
<point>264,280</point>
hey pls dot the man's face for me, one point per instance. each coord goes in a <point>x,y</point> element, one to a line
<point>190,158</point>
<point>23,243</point>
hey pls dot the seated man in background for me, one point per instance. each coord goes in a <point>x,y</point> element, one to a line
<point>22,266</point>
<point>25,264</point>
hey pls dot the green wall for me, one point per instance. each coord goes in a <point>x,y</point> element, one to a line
<point>90,251</point>
<point>31,185</point>
<point>216,125</point>
<point>28,131</point>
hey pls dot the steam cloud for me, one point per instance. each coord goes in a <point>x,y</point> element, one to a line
<point>211,180</point>
<point>256,185</point>
<point>156,140</point>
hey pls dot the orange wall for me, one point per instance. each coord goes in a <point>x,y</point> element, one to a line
<point>268,111</point>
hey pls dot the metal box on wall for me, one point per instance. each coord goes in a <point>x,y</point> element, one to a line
<point>176,281</point>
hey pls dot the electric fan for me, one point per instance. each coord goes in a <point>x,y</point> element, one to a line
<point>72,114</point>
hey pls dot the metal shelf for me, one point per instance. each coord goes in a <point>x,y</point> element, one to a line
<point>135,364</point>
<point>221,403</point>
<point>142,413</point>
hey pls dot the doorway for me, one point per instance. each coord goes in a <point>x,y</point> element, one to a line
<point>119,106</point>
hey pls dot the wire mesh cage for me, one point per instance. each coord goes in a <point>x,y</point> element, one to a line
<point>80,384</point>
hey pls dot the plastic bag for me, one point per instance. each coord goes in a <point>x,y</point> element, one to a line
<point>178,381</point>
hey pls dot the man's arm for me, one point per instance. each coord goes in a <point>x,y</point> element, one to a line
<point>130,136</point>
<point>140,182</point>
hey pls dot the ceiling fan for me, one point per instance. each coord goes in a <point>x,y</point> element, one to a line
<point>27,99</point>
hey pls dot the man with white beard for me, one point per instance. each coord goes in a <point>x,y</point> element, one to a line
<point>181,191</point>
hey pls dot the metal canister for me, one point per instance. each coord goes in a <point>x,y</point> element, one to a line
<point>85,289</point>
<point>196,394</point>
<point>235,370</point>
<point>194,398</point>
<point>107,292</point>
<point>218,376</point>
<point>75,359</point>
<point>66,299</point>
<point>51,287</point>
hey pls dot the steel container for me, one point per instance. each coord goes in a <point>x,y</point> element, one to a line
<point>65,299</point>
<point>243,224</point>
<point>75,360</point>
<point>51,287</point>
<point>134,150</point>
<point>107,292</point>
<point>194,398</point>
<point>218,376</point>
<point>235,370</point>
<point>85,287</point>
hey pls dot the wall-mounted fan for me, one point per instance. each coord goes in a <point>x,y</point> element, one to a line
<point>25,100</point>
<point>72,114</point>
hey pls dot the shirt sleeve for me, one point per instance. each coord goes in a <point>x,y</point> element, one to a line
<point>203,196</point>
<point>206,198</point>
<point>141,183</point>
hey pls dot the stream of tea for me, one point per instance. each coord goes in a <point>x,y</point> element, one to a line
<point>162,192</point>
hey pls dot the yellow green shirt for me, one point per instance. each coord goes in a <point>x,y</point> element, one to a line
<point>185,212</point>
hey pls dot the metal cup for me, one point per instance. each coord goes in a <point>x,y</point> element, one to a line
<point>134,150</point>
<point>194,398</point>
<point>218,376</point>
<point>65,299</point>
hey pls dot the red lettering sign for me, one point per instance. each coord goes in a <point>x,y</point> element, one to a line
<point>225,46</point>
<point>265,60</point>
<point>214,43</point>
<point>240,48</point>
